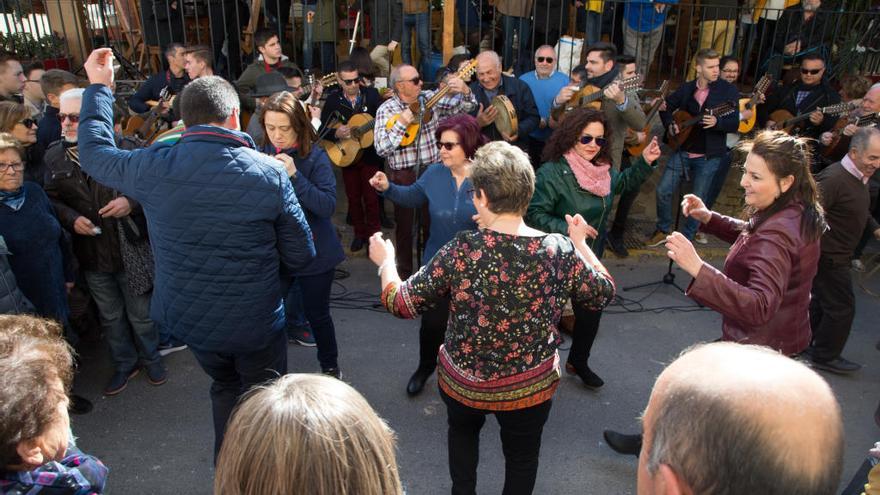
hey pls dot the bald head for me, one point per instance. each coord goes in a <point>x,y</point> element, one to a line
<point>489,69</point>
<point>731,419</point>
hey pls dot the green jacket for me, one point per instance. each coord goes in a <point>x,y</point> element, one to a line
<point>247,81</point>
<point>557,193</point>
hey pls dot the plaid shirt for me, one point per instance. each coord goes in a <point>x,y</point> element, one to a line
<point>76,474</point>
<point>424,151</point>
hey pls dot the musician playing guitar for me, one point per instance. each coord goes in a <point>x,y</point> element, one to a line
<point>700,155</point>
<point>870,104</point>
<point>404,160</point>
<point>352,98</point>
<point>175,78</point>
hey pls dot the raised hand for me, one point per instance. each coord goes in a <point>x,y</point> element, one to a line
<point>381,250</point>
<point>99,66</point>
<point>379,181</point>
<point>652,151</point>
<point>680,250</point>
<point>579,229</point>
<point>692,206</point>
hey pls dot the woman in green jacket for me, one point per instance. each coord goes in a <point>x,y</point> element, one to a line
<point>577,177</point>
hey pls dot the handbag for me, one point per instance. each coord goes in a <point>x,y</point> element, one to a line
<point>137,256</point>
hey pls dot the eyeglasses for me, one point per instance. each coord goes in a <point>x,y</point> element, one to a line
<point>416,80</point>
<point>811,72</point>
<point>587,139</point>
<point>74,117</point>
<point>349,82</point>
<point>730,71</point>
<point>29,122</point>
<point>548,60</point>
<point>448,146</point>
<point>15,166</point>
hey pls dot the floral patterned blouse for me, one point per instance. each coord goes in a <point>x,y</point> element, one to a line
<point>506,295</point>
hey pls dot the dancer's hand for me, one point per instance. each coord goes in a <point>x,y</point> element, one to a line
<point>682,252</point>
<point>692,206</point>
<point>381,250</point>
<point>579,229</point>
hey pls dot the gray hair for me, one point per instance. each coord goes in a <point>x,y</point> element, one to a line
<point>395,76</point>
<point>862,138</point>
<point>492,56</point>
<point>208,100</point>
<point>72,94</point>
<point>503,172</point>
<point>874,86</point>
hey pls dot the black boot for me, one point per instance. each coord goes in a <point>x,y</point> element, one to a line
<point>623,443</point>
<point>590,379</point>
<point>417,382</point>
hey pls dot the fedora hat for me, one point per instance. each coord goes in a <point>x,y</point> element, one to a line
<point>270,83</point>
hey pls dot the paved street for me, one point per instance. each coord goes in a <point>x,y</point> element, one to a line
<point>157,440</point>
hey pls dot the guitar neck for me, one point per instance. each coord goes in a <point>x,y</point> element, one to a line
<point>436,98</point>
<point>591,97</point>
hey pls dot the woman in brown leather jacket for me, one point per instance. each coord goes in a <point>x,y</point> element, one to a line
<point>763,291</point>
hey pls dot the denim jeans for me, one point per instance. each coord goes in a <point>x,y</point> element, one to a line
<point>590,22</point>
<point>718,181</point>
<point>294,312</point>
<point>523,27</point>
<point>422,24</point>
<point>234,373</point>
<point>701,171</point>
<point>316,300</point>
<point>126,319</point>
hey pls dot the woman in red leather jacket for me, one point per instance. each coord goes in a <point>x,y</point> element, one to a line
<point>763,292</point>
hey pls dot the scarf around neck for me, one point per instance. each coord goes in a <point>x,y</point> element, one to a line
<point>605,79</point>
<point>595,179</point>
<point>13,199</point>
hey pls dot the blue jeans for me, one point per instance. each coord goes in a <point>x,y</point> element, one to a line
<point>718,181</point>
<point>234,373</point>
<point>126,319</point>
<point>523,26</point>
<point>422,24</point>
<point>294,312</point>
<point>700,170</point>
<point>316,300</point>
<point>591,23</point>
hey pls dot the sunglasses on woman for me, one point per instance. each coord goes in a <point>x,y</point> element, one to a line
<point>447,146</point>
<point>600,141</point>
<point>28,123</point>
<point>74,117</point>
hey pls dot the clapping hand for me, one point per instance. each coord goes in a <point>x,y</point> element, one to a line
<point>579,229</point>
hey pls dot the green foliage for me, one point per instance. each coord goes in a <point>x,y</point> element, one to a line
<point>30,47</point>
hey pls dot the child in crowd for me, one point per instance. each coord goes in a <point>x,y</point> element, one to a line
<point>38,454</point>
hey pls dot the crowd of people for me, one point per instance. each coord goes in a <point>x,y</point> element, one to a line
<point>190,233</point>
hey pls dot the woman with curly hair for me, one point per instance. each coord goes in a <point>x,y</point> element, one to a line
<point>577,178</point>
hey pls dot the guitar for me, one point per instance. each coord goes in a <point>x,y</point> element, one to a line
<point>789,123</point>
<point>636,149</point>
<point>143,127</point>
<point>326,81</point>
<point>346,151</point>
<point>686,121</point>
<point>412,130</point>
<point>749,104</point>
<point>590,96</point>
<point>839,145</point>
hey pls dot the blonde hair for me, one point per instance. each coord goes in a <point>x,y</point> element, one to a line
<point>307,434</point>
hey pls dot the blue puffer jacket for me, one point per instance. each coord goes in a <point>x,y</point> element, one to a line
<point>222,218</point>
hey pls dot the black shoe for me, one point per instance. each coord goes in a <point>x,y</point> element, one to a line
<point>79,405</point>
<point>616,246</point>
<point>417,382</point>
<point>590,379</point>
<point>837,365</point>
<point>622,443</point>
<point>357,244</point>
<point>334,372</point>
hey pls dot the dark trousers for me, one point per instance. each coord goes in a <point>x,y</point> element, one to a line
<point>316,302</point>
<point>832,308</point>
<point>719,180</point>
<point>405,217</point>
<point>226,19</point>
<point>586,326</point>
<point>520,440</point>
<point>431,333</point>
<point>234,373</point>
<point>624,203</point>
<point>536,147</point>
<point>363,204</point>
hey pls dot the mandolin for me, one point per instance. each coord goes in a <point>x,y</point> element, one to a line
<point>326,81</point>
<point>412,130</point>
<point>636,149</point>
<point>686,121</point>
<point>591,96</point>
<point>789,123</point>
<point>346,151</point>
<point>749,104</point>
<point>839,142</point>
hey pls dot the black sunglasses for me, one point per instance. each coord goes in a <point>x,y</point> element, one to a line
<point>448,146</point>
<point>600,141</point>
<point>415,80</point>
<point>349,82</point>
<point>549,60</point>
<point>28,122</point>
<point>73,117</point>
<point>811,72</point>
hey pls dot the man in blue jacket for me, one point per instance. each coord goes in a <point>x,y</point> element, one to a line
<point>700,154</point>
<point>222,219</point>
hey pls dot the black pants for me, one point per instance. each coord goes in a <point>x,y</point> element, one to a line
<point>586,326</point>
<point>431,333</point>
<point>520,440</point>
<point>832,309</point>
<point>624,204</point>
<point>227,18</point>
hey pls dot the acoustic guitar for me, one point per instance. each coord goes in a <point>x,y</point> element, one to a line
<point>838,145</point>
<point>412,130</point>
<point>636,149</point>
<point>789,123</point>
<point>686,121</point>
<point>142,127</point>
<point>591,96</point>
<point>750,102</point>
<point>346,151</point>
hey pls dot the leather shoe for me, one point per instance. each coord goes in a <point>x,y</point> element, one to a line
<point>622,443</point>
<point>616,246</point>
<point>837,365</point>
<point>590,379</point>
<point>79,405</point>
<point>417,382</point>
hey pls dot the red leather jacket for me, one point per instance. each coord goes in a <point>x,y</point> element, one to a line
<point>764,292</point>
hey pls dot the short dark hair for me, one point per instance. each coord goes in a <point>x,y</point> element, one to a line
<point>171,48</point>
<point>581,72</point>
<point>813,56</point>
<point>569,131</point>
<point>208,100</point>
<point>33,355</point>
<point>289,72</point>
<point>625,59</point>
<point>262,36</point>
<point>55,79</point>
<point>704,54</point>
<point>470,137</point>
<point>203,53</point>
<point>35,65</point>
<point>607,51</point>
<point>6,56</point>
<point>346,66</point>
<point>728,58</point>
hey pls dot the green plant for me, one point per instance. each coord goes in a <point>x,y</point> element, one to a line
<point>28,46</point>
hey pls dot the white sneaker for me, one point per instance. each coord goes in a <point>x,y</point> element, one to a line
<point>858,266</point>
<point>700,238</point>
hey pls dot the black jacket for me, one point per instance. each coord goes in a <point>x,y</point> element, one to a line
<point>523,101</point>
<point>152,87</point>
<point>785,98</point>
<point>337,108</point>
<point>712,141</point>
<point>791,27</point>
<point>161,23</point>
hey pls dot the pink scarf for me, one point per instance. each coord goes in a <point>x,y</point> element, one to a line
<point>593,178</point>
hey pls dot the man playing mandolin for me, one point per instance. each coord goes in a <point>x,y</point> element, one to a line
<point>408,117</point>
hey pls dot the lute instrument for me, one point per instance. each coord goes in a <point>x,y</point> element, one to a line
<point>686,121</point>
<point>591,96</point>
<point>750,102</point>
<point>636,149</point>
<point>839,142</point>
<point>789,123</point>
